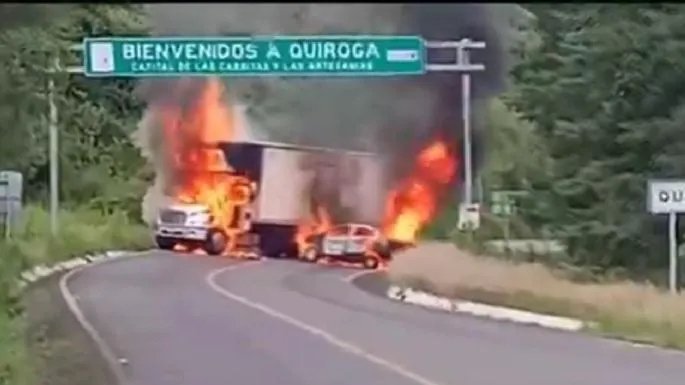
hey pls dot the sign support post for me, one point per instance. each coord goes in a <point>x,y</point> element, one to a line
<point>507,236</point>
<point>667,196</point>
<point>8,219</point>
<point>672,252</point>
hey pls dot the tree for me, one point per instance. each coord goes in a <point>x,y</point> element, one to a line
<point>602,90</point>
<point>516,157</point>
<point>96,117</point>
<point>13,15</point>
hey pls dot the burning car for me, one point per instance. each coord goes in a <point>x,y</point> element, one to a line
<point>352,243</point>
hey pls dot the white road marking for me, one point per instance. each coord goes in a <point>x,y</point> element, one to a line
<point>313,330</point>
<point>357,274</point>
<point>623,344</point>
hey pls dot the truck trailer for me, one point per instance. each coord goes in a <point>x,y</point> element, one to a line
<point>286,179</point>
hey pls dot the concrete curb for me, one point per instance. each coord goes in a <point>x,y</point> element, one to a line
<point>421,298</point>
<point>42,271</point>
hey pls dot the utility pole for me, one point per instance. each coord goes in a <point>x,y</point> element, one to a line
<point>463,65</point>
<point>53,136</point>
<point>53,153</point>
<point>463,58</point>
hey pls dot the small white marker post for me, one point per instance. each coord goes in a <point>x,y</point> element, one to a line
<point>672,252</point>
<point>668,197</point>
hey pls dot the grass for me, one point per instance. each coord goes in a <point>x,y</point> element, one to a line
<point>80,232</point>
<point>622,309</point>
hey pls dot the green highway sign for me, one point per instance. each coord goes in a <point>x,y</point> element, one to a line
<point>254,56</point>
<point>504,203</point>
<point>503,209</point>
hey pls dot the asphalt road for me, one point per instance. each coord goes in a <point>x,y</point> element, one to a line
<point>178,320</point>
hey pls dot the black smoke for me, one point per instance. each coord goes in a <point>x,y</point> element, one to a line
<point>451,22</point>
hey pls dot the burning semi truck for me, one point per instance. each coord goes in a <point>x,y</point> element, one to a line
<point>270,198</point>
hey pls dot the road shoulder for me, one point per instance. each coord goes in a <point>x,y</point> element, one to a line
<point>63,352</point>
<point>379,284</point>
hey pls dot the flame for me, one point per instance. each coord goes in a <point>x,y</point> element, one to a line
<point>411,205</point>
<point>201,175</point>
<point>318,223</point>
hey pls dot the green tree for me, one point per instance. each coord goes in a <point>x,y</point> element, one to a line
<point>603,91</point>
<point>13,15</point>
<point>96,117</point>
<point>516,157</point>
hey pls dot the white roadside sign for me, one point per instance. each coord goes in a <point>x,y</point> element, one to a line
<point>469,216</point>
<point>666,196</point>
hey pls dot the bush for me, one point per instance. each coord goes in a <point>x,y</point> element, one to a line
<point>80,232</point>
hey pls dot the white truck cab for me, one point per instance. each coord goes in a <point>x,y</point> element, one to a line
<point>188,224</point>
<point>192,225</point>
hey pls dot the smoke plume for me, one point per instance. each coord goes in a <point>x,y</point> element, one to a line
<point>394,116</point>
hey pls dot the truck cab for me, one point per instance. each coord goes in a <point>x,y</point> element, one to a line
<point>178,223</point>
<point>194,227</point>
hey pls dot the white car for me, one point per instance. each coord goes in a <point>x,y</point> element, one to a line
<point>349,242</point>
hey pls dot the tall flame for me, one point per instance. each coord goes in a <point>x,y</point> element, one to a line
<point>319,222</point>
<point>201,175</point>
<point>411,205</point>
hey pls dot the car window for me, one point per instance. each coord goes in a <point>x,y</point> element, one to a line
<point>363,231</point>
<point>339,230</point>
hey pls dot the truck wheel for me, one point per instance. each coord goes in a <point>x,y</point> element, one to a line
<point>370,262</point>
<point>216,242</point>
<point>383,250</point>
<point>165,243</point>
<point>311,254</point>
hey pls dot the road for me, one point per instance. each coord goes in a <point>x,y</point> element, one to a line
<point>188,320</point>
